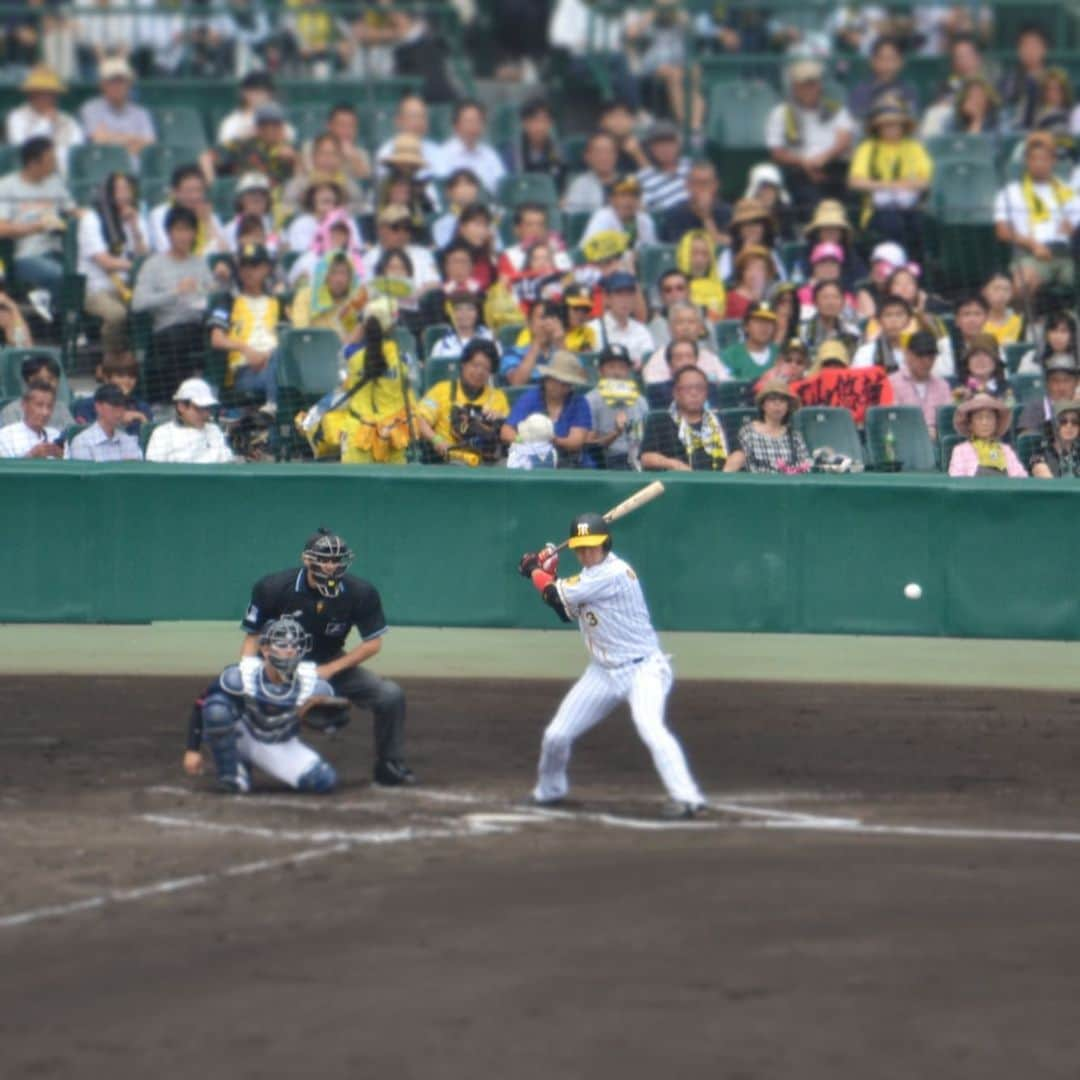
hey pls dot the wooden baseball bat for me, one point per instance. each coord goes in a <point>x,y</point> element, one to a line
<point>628,506</point>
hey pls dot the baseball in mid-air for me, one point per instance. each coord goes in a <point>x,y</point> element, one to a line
<point>913,591</point>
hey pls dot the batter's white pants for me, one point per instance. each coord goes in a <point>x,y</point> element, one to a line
<point>591,698</point>
<point>286,761</point>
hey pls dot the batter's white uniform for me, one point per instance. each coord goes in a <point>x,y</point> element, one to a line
<point>627,665</point>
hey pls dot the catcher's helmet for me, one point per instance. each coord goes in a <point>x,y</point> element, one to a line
<point>589,530</point>
<point>285,643</point>
<point>327,557</point>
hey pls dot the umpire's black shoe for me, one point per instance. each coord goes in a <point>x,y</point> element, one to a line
<point>391,773</point>
<point>683,811</point>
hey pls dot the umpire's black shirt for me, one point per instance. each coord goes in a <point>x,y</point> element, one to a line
<point>328,619</point>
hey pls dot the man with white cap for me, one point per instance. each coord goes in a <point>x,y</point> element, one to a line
<point>113,119</point>
<point>192,438</point>
<point>809,137</point>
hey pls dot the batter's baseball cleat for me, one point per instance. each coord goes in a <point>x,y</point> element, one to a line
<point>391,773</point>
<point>683,811</point>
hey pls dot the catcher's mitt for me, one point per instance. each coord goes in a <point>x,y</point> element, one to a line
<point>324,713</point>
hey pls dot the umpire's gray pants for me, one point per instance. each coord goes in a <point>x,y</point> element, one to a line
<point>385,699</point>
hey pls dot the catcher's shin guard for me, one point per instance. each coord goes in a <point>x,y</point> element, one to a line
<point>320,779</point>
<point>219,727</point>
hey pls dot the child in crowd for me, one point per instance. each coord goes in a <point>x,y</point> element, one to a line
<point>1006,325</point>
<point>464,310</point>
<point>981,371</point>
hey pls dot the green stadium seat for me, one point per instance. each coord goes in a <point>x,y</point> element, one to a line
<point>727,332</point>
<point>180,126</point>
<point>514,392</point>
<point>91,164</point>
<point>910,447</point>
<point>307,120</point>
<point>573,152</point>
<point>508,335</point>
<point>223,196</point>
<point>738,112</point>
<point>1014,353</point>
<point>160,160</point>
<point>1026,445</point>
<point>9,159</point>
<point>963,192</point>
<point>574,227</point>
<point>440,369</point>
<point>948,444</point>
<point>734,394</point>
<point>527,188</point>
<point>732,420</point>
<point>828,427</point>
<point>309,367</point>
<point>728,68</point>
<point>433,335</point>
<point>792,254</point>
<point>982,148</point>
<point>145,431</point>
<point>652,261</point>
<point>1027,387</point>
<point>406,342</point>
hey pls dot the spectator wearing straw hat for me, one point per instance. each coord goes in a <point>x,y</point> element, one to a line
<point>41,116</point>
<point>1058,454</point>
<point>809,137</point>
<point>984,421</point>
<point>623,213</point>
<point>1062,380</point>
<point>752,225</point>
<point>1038,215</point>
<point>113,119</point>
<point>405,182</point>
<point>559,397</point>
<point>769,443</point>
<point>830,225</point>
<point>893,171</point>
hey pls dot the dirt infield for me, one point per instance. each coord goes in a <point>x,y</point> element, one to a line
<point>887,890</point>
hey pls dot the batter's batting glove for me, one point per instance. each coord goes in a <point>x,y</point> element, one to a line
<point>549,559</point>
<point>530,561</point>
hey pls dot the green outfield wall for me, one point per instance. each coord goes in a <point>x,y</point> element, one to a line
<point>139,543</point>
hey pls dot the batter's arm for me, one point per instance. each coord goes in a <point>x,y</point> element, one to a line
<point>250,646</point>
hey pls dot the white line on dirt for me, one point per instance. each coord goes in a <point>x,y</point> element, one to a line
<point>290,802</point>
<point>317,836</point>
<point>941,832</point>
<point>172,885</point>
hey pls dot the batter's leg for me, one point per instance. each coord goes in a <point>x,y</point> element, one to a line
<point>291,761</point>
<point>590,699</point>
<point>650,685</point>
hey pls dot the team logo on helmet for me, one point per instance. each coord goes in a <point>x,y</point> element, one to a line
<point>327,557</point>
<point>285,643</point>
<point>589,530</point>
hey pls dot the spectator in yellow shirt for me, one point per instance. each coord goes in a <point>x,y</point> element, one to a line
<point>893,171</point>
<point>696,257</point>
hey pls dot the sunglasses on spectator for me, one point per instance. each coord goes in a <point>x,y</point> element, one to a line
<point>1072,421</point>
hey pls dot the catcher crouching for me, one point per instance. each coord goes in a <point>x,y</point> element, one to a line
<point>252,715</point>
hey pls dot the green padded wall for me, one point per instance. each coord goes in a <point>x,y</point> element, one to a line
<point>135,543</point>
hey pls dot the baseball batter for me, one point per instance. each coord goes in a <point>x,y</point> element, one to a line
<point>627,664</point>
<point>252,716</point>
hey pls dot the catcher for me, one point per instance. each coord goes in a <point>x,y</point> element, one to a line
<point>252,716</point>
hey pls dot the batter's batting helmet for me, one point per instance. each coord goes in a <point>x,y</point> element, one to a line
<point>286,643</point>
<point>589,530</point>
<point>327,557</point>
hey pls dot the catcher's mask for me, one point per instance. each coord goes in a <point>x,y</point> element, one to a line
<point>284,644</point>
<point>589,530</point>
<point>327,557</point>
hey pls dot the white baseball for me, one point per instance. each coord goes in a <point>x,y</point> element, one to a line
<point>913,591</point>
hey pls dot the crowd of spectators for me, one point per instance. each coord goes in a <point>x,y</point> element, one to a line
<point>577,291</point>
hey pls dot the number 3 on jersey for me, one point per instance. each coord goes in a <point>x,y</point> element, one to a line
<point>590,618</point>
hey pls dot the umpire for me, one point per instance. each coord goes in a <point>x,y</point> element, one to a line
<point>328,603</point>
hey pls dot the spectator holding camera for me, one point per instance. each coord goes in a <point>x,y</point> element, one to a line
<point>32,436</point>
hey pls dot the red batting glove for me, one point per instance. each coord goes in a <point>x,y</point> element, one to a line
<point>549,559</point>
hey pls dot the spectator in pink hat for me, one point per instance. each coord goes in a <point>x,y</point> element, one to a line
<point>826,264</point>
